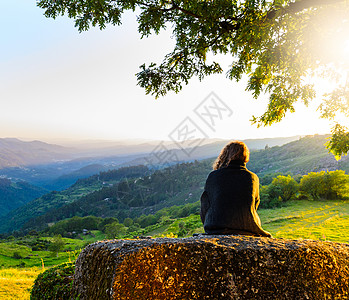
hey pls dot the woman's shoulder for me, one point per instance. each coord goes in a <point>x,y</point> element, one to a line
<point>213,173</point>
<point>229,170</point>
<point>216,174</point>
<point>243,171</point>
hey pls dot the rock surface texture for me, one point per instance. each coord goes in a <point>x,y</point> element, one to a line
<point>213,267</point>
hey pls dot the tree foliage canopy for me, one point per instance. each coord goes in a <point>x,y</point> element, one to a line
<point>325,185</point>
<point>279,44</point>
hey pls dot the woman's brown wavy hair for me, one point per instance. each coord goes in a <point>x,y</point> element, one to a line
<point>235,150</point>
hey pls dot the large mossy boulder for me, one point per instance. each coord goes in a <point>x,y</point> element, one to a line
<point>213,267</point>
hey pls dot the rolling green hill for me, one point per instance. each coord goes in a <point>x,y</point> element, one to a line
<point>305,155</point>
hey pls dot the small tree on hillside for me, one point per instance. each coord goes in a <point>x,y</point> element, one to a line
<point>57,245</point>
<point>284,187</point>
<point>115,230</point>
<point>128,222</point>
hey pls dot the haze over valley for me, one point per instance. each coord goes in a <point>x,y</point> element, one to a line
<point>54,166</point>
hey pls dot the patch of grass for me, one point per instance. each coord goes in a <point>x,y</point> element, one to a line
<point>16,283</point>
<point>281,220</point>
<point>299,219</point>
<point>14,254</point>
<point>184,227</point>
<point>158,231</point>
<point>318,220</point>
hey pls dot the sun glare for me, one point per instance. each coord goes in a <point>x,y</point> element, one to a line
<point>346,47</point>
<point>328,36</point>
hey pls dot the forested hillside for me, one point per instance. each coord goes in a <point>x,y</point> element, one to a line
<point>16,194</point>
<point>53,200</point>
<point>66,180</point>
<point>305,155</point>
<point>176,185</point>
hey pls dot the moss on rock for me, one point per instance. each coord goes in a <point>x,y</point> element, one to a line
<point>213,267</point>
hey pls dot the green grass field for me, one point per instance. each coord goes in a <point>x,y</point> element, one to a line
<point>317,220</point>
<point>13,255</point>
<point>301,219</point>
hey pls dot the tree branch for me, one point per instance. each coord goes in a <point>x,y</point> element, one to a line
<point>187,12</point>
<point>293,7</point>
<point>173,7</point>
<point>298,6</point>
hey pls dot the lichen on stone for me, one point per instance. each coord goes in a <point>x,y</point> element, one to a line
<point>215,267</point>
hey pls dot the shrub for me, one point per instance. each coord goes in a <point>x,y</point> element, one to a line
<point>266,200</point>
<point>284,187</point>
<point>325,185</point>
<point>17,255</point>
<point>55,283</point>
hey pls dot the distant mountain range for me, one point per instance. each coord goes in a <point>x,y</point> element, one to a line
<point>57,167</point>
<point>207,150</point>
<point>15,153</point>
<point>62,174</point>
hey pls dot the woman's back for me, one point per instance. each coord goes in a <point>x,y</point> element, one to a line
<point>230,200</point>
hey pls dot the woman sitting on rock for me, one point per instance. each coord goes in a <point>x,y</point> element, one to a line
<point>231,197</point>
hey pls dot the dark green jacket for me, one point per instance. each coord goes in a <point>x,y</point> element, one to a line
<point>230,200</point>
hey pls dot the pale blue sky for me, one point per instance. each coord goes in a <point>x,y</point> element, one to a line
<point>57,83</point>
